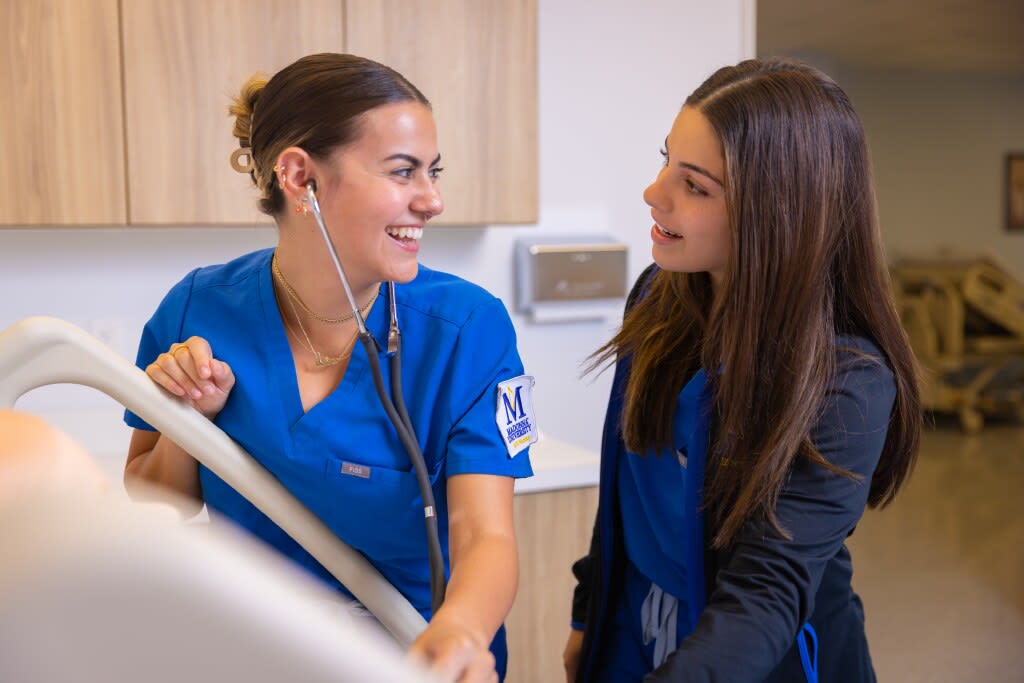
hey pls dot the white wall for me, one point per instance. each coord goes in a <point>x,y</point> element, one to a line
<point>612,76</point>
<point>938,144</point>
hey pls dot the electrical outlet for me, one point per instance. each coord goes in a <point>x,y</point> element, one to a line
<point>111,331</point>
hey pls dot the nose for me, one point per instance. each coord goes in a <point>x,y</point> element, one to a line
<point>428,201</point>
<point>654,196</point>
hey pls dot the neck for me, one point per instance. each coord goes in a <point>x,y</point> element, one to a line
<point>314,280</point>
<point>319,345</point>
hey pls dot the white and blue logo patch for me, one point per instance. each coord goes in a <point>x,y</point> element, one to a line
<point>514,415</point>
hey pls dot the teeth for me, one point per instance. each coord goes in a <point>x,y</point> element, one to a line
<point>663,231</point>
<point>405,233</point>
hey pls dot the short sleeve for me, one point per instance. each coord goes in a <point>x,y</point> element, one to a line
<point>162,330</point>
<point>485,357</point>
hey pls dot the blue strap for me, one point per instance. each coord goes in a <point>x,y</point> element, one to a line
<point>810,667</point>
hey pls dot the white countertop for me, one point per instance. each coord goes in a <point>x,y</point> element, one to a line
<point>559,465</point>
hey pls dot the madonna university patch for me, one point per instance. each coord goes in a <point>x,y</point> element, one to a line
<point>514,414</point>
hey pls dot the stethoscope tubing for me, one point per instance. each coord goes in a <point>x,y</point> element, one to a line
<point>318,217</point>
<point>437,578</point>
<point>394,405</point>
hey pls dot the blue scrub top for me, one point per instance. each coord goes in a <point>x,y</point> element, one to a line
<point>660,503</point>
<point>458,344</point>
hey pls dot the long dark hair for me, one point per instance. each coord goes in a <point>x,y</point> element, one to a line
<point>806,265</point>
<point>313,103</point>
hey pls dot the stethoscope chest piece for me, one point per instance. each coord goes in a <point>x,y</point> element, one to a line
<point>393,333</point>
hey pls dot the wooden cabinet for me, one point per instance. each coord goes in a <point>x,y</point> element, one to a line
<point>118,110</point>
<point>61,129</point>
<point>476,61</point>
<point>184,61</point>
<point>553,530</point>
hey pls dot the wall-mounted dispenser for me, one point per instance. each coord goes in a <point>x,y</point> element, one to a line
<point>573,277</point>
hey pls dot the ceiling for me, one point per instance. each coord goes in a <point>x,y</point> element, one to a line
<point>945,36</point>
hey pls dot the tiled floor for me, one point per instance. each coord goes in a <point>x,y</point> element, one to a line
<point>941,570</point>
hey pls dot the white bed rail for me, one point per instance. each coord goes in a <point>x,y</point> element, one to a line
<point>40,351</point>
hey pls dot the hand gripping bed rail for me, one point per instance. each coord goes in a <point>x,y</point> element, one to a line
<point>40,351</point>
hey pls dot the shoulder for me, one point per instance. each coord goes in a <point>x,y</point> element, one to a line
<point>232,273</point>
<point>860,397</point>
<point>235,278</point>
<point>447,298</point>
<point>861,366</point>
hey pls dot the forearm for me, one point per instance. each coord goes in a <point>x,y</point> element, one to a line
<point>583,571</point>
<point>483,583</point>
<point>165,465</point>
<point>730,643</point>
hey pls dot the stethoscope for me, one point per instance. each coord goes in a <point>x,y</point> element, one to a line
<point>394,405</point>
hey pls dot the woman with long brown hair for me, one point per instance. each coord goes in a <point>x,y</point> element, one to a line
<point>764,395</point>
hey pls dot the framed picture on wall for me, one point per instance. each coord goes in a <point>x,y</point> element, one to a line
<point>1015,191</point>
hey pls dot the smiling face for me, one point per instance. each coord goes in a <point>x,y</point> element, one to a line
<point>377,192</point>
<point>691,231</point>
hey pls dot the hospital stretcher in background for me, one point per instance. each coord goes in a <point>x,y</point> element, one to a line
<point>964,314</point>
<point>102,591</point>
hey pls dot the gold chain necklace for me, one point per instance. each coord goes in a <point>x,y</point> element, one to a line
<point>292,294</point>
<point>321,360</point>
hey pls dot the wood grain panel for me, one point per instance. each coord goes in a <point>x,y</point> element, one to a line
<point>476,61</point>
<point>553,530</point>
<point>184,60</point>
<point>61,129</point>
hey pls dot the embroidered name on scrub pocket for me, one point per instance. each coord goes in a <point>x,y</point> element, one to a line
<point>355,470</point>
<point>514,414</point>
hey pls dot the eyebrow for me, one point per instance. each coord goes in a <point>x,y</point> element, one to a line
<point>697,169</point>
<point>416,163</point>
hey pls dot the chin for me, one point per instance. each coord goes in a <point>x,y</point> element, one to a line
<point>683,263</point>
<point>405,273</point>
<point>666,262</point>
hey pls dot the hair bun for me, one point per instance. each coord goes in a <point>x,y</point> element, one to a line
<point>244,105</point>
<point>242,109</point>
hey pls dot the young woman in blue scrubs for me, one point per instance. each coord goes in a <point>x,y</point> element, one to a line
<point>764,394</point>
<point>265,346</point>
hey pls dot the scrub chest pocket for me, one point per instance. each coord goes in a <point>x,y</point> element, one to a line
<point>379,508</point>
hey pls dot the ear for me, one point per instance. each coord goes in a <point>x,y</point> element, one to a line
<point>294,169</point>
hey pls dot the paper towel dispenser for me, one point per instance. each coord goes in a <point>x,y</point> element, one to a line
<point>571,277</point>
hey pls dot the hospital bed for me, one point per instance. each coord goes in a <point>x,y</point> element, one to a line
<point>211,599</point>
<point>964,315</point>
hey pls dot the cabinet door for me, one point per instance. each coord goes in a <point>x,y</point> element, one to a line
<point>476,61</point>
<point>553,530</point>
<point>184,61</point>
<point>61,127</point>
